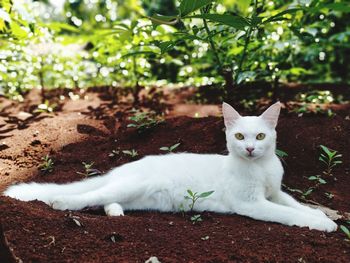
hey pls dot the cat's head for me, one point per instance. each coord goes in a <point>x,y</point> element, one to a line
<point>251,137</point>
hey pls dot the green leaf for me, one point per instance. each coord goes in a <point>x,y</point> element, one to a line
<point>17,30</point>
<point>297,191</point>
<point>309,191</point>
<point>166,45</point>
<point>234,21</point>
<point>345,230</point>
<point>184,36</point>
<point>322,181</point>
<point>339,7</point>
<point>332,154</point>
<point>173,147</point>
<point>245,74</point>
<point>280,153</point>
<point>322,156</point>
<point>58,27</point>
<point>312,178</point>
<point>205,194</point>
<point>235,50</point>
<point>121,26</point>
<point>326,150</point>
<point>160,20</point>
<point>188,6</point>
<point>298,71</point>
<point>190,192</point>
<point>255,20</point>
<point>164,148</point>
<point>279,16</point>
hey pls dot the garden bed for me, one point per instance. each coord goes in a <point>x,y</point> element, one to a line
<point>89,130</point>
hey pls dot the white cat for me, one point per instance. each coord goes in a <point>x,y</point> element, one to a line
<point>246,182</point>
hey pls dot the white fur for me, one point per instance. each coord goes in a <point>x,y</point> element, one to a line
<point>244,183</point>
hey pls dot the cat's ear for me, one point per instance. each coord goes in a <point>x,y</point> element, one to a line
<point>271,114</point>
<point>230,115</point>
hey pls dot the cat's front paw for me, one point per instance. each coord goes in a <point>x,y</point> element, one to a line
<point>323,224</point>
<point>114,209</point>
<point>64,203</point>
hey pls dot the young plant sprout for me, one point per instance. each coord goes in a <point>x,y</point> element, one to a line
<point>144,120</point>
<point>170,148</point>
<point>196,219</point>
<point>193,197</point>
<point>303,194</point>
<point>46,107</point>
<point>318,179</point>
<point>329,195</point>
<point>114,153</point>
<point>132,153</point>
<point>47,164</point>
<point>330,158</point>
<point>89,171</point>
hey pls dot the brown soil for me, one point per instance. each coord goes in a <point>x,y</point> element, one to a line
<point>88,130</point>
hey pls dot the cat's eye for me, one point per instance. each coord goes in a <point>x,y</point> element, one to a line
<point>239,136</point>
<point>260,136</point>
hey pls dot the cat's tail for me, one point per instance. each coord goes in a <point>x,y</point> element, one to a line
<point>44,192</point>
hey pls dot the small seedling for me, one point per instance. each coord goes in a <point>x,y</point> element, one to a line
<point>46,107</point>
<point>144,120</point>
<point>170,149</point>
<point>329,195</point>
<point>303,194</point>
<point>89,171</point>
<point>193,197</point>
<point>307,192</point>
<point>330,158</point>
<point>132,153</point>
<point>75,219</point>
<point>114,153</point>
<point>47,165</point>
<point>196,219</point>
<point>346,231</point>
<point>318,179</point>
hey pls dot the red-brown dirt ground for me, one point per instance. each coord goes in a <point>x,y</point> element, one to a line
<point>89,130</point>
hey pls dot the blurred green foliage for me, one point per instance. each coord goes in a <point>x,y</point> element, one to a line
<point>131,43</point>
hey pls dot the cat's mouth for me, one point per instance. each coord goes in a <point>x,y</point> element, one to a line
<point>251,156</point>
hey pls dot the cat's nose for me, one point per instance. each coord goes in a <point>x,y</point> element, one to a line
<point>250,149</point>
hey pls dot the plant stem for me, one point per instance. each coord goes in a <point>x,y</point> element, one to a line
<point>211,42</point>
<point>41,79</point>
<point>135,70</point>
<point>246,43</point>
<point>137,87</point>
<point>225,73</point>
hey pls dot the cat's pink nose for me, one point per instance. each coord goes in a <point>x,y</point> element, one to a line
<point>250,149</point>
